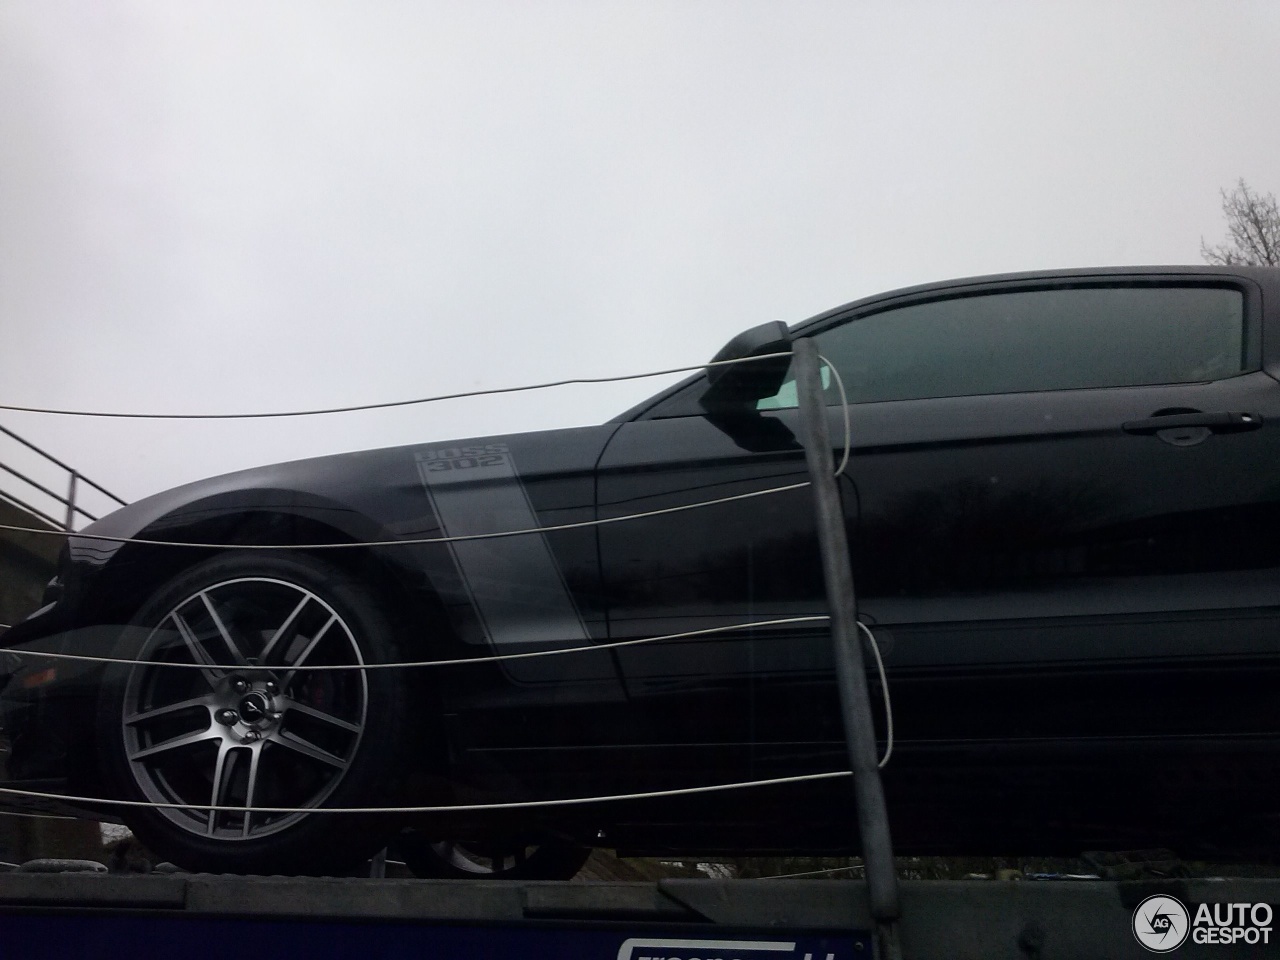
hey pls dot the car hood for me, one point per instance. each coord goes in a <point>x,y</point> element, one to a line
<point>368,494</point>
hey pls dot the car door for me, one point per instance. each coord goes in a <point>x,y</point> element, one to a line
<point>697,701</point>
<point>1067,523</point>
<point>1055,576</point>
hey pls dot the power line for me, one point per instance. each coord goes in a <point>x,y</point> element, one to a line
<point>384,405</point>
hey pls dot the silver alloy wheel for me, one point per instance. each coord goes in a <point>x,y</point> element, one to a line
<point>479,859</point>
<point>270,732</point>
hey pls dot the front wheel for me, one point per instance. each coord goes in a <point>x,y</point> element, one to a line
<point>228,710</point>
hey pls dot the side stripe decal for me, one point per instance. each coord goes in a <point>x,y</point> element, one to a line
<point>514,583</point>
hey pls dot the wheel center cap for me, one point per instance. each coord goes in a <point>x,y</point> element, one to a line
<point>254,708</point>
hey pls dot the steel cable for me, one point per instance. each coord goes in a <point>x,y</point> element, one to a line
<point>495,658</point>
<point>406,541</point>
<point>523,804</point>
<point>439,808</point>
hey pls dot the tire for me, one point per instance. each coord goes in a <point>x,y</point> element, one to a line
<point>269,733</point>
<point>488,860</point>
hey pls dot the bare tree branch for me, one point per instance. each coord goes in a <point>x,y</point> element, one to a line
<point>1253,230</point>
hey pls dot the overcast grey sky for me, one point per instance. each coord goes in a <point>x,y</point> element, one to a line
<point>237,207</point>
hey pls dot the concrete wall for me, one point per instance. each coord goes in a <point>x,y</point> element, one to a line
<point>26,564</point>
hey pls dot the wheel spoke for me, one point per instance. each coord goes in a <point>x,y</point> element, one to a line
<point>232,647</point>
<point>283,630</point>
<point>255,756</point>
<point>221,776</point>
<point>286,738</point>
<point>293,706</point>
<point>170,708</point>
<point>198,652</point>
<point>176,743</point>
<point>306,652</point>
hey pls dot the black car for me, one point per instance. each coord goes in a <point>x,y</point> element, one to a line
<point>1063,503</point>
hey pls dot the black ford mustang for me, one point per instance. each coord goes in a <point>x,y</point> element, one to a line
<point>1064,510</point>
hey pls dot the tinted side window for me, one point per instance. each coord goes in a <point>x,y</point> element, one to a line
<point>1061,339</point>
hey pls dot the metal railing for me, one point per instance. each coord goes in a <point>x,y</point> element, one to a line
<point>75,480</point>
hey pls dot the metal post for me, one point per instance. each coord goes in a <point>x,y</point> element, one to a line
<point>71,502</point>
<point>851,677</point>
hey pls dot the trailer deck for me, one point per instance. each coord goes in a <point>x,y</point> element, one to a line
<point>61,915</point>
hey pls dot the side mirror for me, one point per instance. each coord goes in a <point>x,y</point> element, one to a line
<point>740,385</point>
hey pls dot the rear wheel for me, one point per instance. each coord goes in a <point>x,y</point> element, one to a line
<point>229,711</point>
<point>489,859</point>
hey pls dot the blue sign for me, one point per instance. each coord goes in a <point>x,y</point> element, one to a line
<point>152,937</point>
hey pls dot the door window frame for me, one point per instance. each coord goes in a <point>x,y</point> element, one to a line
<point>682,400</point>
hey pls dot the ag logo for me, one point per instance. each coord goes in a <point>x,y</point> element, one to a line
<point>1161,923</point>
